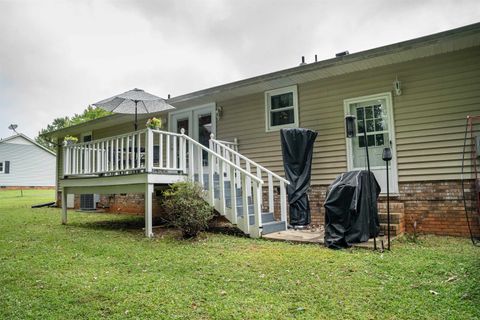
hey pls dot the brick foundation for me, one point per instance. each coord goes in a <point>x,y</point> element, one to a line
<point>433,207</point>
<point>130,203</point>
<point>437,207</point>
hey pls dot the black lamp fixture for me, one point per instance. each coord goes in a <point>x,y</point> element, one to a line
<point>350,126</point>
<point>351,132</point>
<point>387,156</point>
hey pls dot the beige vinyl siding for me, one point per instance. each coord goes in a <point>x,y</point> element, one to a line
<point>438,93</point>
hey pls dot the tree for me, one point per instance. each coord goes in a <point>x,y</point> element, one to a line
<point>90,113</point>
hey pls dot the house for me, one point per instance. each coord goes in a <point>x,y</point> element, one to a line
<point>25,164</point>
<point>415,97</point>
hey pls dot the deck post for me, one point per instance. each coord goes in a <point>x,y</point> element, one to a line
<point>64,206</point>
<point>149,150</point>
<point>148,210</point>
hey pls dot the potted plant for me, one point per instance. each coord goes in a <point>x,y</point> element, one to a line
<point>154,123</point>
<point>69,140</point>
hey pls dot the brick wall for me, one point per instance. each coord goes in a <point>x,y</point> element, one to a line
<point>131,203</point>
<point>436,207</point>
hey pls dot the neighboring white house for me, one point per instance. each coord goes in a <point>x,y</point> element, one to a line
<point>25,163</point>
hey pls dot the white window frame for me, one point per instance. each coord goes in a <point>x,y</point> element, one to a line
<point>2,169</point>
<point>268,111</point>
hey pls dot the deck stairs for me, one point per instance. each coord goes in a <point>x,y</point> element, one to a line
<point>239,187</point>
<point>269,223</point>
<point>243,191</point>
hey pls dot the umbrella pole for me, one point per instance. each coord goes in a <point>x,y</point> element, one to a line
<point>135,115</point>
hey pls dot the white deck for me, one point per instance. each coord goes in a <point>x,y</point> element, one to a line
<point>136,162</point>
<point>134,182</point>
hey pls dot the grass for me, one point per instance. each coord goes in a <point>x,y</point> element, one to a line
<point>101,266</point>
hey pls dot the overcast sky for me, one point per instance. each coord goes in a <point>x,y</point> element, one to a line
<point>57,57</point>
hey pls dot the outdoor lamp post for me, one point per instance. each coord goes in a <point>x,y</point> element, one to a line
<point>350,132</point>
<point>387,156</point>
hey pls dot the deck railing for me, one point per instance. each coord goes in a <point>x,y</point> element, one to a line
<point>272,179</point>
<point>156,151</point>
<point>217,165</point>
<point>143,150</point>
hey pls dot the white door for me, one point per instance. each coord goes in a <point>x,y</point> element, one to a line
<point>199,123</point>
<point>376,111</point>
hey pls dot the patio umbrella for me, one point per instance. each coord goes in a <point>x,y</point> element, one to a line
<point>134,102</point>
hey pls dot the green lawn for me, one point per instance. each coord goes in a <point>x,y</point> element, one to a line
<point>100,265</point>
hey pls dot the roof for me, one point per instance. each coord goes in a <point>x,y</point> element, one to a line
<point>438,43</point>
<point>21,135</point>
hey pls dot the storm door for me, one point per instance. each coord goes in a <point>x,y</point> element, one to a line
<point>199,123</point>
<point>377,114</point>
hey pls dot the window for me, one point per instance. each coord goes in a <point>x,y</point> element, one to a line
<point>281,106</point>
<point>5,167</point>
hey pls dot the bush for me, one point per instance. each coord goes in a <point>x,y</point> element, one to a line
<point>186,209</point>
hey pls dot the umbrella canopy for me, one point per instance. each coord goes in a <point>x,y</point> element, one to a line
<point>133,102</point>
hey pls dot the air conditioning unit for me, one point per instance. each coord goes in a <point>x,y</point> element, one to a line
<point>89,201</point>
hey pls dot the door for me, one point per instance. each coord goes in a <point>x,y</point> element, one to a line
<point>199,123</point>
<point>376,111</point>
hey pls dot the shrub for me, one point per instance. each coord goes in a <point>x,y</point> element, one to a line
<point>186,209</point>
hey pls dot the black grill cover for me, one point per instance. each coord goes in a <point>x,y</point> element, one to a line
<point>348,218</point>
<point>297,149</point>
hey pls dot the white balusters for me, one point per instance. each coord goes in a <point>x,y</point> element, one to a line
<point>233,196</point>
<point>245,217</point>
<point>160,150</point>
<point>149,150</point>
<point>221,186</point>
<point>191,167</point>
<point>257,208</point>
<point>270,194</point>
<point>211,168</point>
<point>283,201</point>
<point>245,182</point>
<point>139,141</point>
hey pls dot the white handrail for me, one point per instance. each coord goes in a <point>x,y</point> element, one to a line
<point>227,151</point>
<point>228,142</point>
<point>250,161</point>
<point>201,146</point>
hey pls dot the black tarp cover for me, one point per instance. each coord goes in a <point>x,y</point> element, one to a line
<point>348,218</point>
<point>297,150</point>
